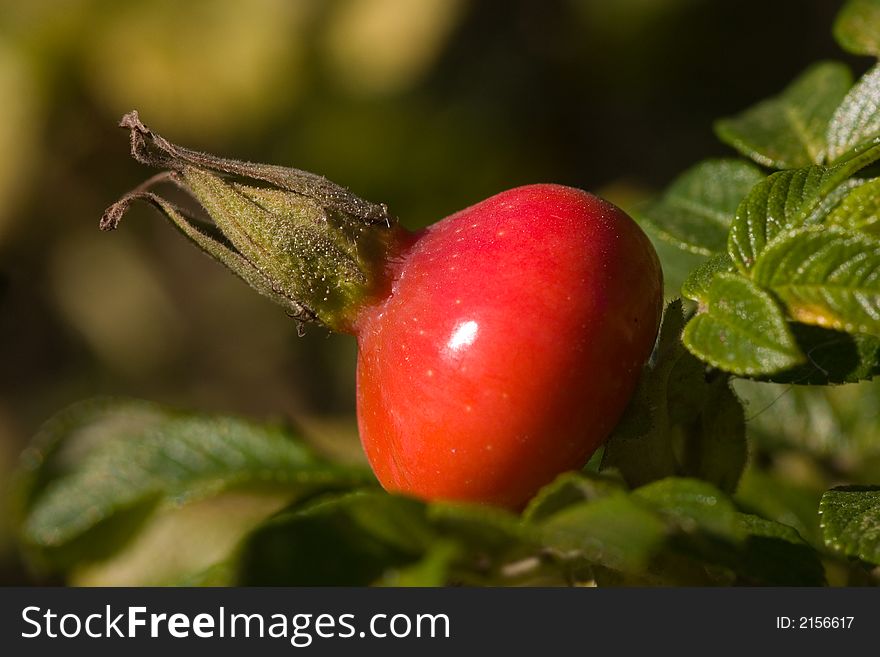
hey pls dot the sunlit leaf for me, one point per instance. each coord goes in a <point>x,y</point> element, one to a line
<point>850,517</point>
<point>857,119</point>
<point>825,276</point>
<point>742,331</point>
<point>859,209</point>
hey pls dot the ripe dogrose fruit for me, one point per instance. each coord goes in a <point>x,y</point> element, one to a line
<point>498,347</point>
<point>510,343</point>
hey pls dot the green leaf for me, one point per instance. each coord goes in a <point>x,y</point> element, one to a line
<point>696,210</point>
<point>851,521</point>
<point>857,120</point>
<point>676,263</point>
<point>105,466</point>
<point>859,209</point>
<point>680,421</point>
<point>616,532</point>
<point>743,330</point>
<point>792,198</point>
<point>693,505</point>
<point>349,540</point>
<point>825,276</point>
<point>679,531</point>
<point>788,130</point>
<point>568,489</point>
<point>776,555</point>
<point>372,537</point>
<point>758,551</point>
<point>829,201</point>
<point>487,529</point>
<point>696,285</point>
<point>781,201</point>
<point>857,27</point>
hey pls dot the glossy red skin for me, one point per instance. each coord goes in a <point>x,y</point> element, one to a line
<point>511,341</point>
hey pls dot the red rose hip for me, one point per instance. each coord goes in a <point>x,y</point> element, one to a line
<point>508,347</point>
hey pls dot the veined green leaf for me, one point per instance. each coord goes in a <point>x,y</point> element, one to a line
<point>850,519</point>
<point>829,201</point>
<point>696,285</point>
<point>696,210</point>
<point>857,120</point>
<point>792,198</point>
<point>857,27</point>
<point>97,461</point>
<point>742,331</point>
<point>825,276</point>
<point>788,130</point>
<point>676,263</point>
<point>859,209</point>
<point>779,202</point>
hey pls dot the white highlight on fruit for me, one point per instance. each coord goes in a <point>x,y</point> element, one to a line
<point>463,336</point>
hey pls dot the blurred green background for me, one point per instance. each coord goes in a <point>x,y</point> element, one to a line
<point>426,105</point>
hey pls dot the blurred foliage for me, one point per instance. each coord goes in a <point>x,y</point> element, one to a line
<point>120,492</point>
<point>392,98</point>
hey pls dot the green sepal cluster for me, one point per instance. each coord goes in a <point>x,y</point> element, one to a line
<point>306,243</point>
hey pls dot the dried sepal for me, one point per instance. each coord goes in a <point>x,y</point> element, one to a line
<point>306,243</point>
